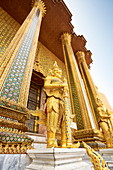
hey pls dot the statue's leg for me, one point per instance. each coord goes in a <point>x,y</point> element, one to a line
<point>51,142</point>
<point>107,134</point>
<point>52,120</point>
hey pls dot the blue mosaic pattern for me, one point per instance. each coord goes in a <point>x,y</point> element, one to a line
<point>12,85</point>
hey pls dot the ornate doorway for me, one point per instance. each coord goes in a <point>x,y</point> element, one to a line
<point>36,85</point>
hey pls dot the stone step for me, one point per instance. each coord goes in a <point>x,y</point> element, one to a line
<point>39,140</point>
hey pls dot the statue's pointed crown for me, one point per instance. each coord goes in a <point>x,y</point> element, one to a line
<point>55,66</point>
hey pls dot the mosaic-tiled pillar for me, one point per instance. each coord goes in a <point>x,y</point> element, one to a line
<point>76,94</point>
<point>17,66</point>
<point>89,85</point>
<point>16,70</point>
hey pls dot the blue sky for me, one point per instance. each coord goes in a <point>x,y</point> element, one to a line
<point>94,20</point>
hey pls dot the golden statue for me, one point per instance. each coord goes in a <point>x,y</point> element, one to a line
<point>97,160</point>
<point>57,114</point>
<point>57,108</point>
<point>104,120</point>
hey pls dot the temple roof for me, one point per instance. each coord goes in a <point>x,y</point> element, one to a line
<point>56,21</point>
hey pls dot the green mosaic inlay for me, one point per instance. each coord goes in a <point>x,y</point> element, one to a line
<point>91,93</point>
<point>12,85</point>
<point>74,95</point>
<point>11,137</point>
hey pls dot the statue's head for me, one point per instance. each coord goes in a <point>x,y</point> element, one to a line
<point>57,72</point>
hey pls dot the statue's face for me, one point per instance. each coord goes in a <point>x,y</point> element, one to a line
<point>58,73</point>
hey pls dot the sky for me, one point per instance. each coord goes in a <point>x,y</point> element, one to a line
<point>94,20</point>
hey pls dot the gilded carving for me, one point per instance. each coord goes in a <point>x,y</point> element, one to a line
<point>9,148</point>
<point>81,56</point>
<point>12,104</point>
<point>12,124</point>
<point>89,133</point>
<point>66,38</point>
<point>38,67</point>
<point>40,4</point>
<point>14,141</point>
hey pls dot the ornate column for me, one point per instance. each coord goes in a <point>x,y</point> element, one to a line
<point>17,62</point>
<point>16,70</point>
<point>89,85</point>
<point>73,75</point>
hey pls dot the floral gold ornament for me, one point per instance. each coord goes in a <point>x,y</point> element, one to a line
<point>40,4</point>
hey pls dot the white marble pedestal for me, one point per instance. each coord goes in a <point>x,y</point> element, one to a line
<point>58,159</point>
<point>14,161</point>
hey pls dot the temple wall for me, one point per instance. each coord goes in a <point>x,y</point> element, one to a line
<point>46,60</point>
<point>8,29</point>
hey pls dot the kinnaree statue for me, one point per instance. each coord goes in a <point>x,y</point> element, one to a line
<point>57,114</point>
<point>96,159</point>
<point>104,122</point>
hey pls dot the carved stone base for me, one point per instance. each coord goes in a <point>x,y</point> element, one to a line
<point>58,159</point>
<point>92,137</point>
<point>88,133</point>
<point>95,145</point>
<point>13,139</point>
<point>14,142</point>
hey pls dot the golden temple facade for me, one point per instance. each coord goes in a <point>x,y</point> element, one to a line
<point>35,34</point>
